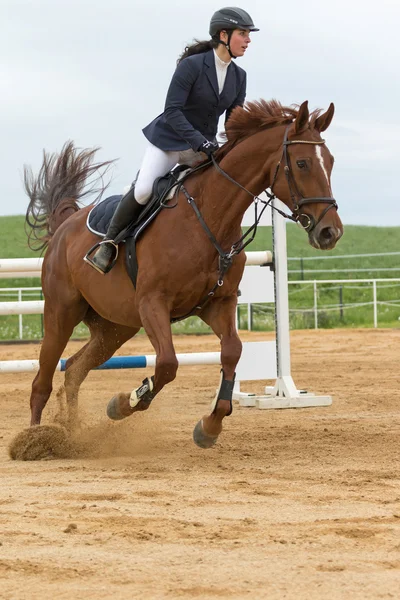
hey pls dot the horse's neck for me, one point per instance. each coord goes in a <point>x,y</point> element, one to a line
<point>223,203</point>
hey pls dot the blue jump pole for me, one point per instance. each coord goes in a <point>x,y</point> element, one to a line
<point>118,362</point>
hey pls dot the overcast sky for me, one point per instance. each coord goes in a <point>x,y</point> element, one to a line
<point>97,72</point>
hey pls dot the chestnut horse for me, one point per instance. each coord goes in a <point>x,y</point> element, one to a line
<point>268,145</point>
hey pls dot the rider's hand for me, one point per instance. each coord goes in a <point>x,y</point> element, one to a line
<point>208,148</point>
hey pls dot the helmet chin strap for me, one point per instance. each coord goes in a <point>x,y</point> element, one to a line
<point>227,46</point>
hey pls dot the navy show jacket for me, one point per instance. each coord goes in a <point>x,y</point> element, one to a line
<point>194,105</point>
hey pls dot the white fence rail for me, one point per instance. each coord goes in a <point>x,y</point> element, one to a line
<point>17,295</point>
<point>358,260</point>
<point>20,295</point>
<point>318,307</point>
<point>374,303</point>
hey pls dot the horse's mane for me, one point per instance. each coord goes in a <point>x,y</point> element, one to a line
<point>255,116</point>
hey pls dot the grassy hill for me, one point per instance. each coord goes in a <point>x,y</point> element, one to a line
<point>357,239</point>
<point>13,239</point>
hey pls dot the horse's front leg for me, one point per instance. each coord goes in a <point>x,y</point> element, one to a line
<point>155,317</point>
<point>221,316</point>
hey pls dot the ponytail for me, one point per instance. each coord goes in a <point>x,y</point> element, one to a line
<point>199,47</point>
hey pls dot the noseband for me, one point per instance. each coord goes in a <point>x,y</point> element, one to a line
<point>306,221</point>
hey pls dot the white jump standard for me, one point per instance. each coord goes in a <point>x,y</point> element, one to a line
<point>284,393</point>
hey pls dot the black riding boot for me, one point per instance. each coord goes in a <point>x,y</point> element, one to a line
<point>127,212</point>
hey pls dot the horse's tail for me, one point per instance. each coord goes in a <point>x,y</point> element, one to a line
<point>54,193</point>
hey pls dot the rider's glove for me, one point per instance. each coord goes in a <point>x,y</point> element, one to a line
<point>208,147</point>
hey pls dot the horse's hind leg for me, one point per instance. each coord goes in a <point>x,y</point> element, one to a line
<point>106,338</point>
<point>155,317</point>
<point>221,316</point>
<point>59,323</point>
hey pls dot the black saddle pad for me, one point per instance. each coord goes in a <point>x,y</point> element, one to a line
<point>100,216</point>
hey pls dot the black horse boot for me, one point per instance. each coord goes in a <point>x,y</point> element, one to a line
<point>127,213</point>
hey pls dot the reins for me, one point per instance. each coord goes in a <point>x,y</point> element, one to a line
<point>225,258</point>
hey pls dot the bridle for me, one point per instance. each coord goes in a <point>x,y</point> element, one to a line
<point>298,201</point>
<point>225,258</point>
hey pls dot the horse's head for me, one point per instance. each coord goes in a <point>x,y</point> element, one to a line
<point>301,177</point>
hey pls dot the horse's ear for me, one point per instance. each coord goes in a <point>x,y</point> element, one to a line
<point>325,119</point>
<point>301,122</point>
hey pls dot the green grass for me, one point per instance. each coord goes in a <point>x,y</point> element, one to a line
<point>356,240</point>
<point>13,239</point>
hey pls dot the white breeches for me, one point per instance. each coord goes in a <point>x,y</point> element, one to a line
<point>158,162</point>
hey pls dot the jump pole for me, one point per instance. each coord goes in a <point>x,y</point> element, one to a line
<point>116,362</point>
<point>20,267</point>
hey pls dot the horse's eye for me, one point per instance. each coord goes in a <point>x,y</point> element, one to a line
<point>302,164</point>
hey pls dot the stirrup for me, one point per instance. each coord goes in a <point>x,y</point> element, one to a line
<point>90,261</point>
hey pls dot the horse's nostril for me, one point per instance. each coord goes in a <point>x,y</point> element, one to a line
<point>327,234</point>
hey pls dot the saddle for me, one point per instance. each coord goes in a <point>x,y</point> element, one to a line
<point>164,189</point>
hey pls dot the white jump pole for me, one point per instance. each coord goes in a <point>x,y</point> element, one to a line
<point>23,307</point>
<point>21,265</point>
<point>258,259</point>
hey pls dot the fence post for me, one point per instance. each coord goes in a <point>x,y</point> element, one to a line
<point>20,323</point>
<point>375,304</point>
<point>341,302</point>
<point>315,305</point>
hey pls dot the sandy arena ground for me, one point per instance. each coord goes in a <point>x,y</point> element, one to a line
<point>289,504</point>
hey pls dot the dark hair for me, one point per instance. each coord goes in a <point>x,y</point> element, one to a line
<point>199,47</point>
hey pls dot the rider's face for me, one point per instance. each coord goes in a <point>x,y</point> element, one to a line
<point>240,39</point>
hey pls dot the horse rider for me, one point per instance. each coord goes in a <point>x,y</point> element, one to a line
<point>206,83</point>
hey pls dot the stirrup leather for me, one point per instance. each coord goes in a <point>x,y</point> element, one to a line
<point>87,258</point>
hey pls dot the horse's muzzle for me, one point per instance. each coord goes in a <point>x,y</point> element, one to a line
<point>325,237</point>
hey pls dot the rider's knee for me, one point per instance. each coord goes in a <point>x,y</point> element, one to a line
<point>142,192</point>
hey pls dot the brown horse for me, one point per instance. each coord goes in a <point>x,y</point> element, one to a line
<point>267,145</point>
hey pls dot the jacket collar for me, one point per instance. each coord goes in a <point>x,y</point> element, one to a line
<point>211,72</point>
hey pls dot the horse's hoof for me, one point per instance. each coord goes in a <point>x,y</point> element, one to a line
<point>201,439</point>
<point>114,410</point>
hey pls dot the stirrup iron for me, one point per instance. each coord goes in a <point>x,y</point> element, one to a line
<point>87,258</point>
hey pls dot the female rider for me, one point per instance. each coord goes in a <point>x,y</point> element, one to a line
<point>206,84</point>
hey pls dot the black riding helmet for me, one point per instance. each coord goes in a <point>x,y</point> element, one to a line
<point>230,18</point>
